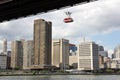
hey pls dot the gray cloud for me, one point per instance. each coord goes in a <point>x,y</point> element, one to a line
<point>16,29</point>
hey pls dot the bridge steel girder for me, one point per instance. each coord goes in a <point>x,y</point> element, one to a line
<point>22,8</point>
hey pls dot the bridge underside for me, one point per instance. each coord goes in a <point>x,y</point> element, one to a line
<point>14,9</point>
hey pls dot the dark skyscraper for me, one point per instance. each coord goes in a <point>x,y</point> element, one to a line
<point>42,43</point>
<point>101,48</point>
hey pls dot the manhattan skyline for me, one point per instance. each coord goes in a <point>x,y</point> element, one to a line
<point>97,21</point>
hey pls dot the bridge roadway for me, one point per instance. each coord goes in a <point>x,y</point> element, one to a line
<point>13,9</point>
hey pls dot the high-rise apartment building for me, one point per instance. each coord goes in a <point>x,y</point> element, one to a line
<point>60,53</point>
<point>28,54</point>
<point>17,54</point>
<point>88,58</point>
<point>5,45</point>
<point>42,43</point>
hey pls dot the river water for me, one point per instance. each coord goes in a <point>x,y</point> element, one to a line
<point>62,77</point>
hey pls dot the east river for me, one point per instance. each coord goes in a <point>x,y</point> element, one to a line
<point>62,77</point>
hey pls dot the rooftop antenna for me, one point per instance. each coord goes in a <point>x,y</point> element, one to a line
<point>68,14</point>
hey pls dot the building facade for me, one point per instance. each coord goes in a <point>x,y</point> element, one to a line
<point>101,48</point>
<point>73,61</point>
<point>42,43</point>
<point>115,64</point>
<point>28,54</point>
<point>101,61</point>
<point>103,53</point>
<point>73,49</point>
<point>88,58</point>
<point>117,52</point>
<point>17,54</point>
<point>60,53</point>
<point>3,61</point>
<point>73,56</point>
<point>8,59</point>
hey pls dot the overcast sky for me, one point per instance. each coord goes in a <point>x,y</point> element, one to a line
<point>97,21</point>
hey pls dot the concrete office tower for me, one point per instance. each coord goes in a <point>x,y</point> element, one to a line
<point>88,58</point>
<point>5,45</point>
<point>28,54</point>
<point>17,54</point>
<point>60,53</point>
<point>42,43</point>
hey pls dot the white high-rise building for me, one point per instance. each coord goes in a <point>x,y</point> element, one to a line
<point>88,56</point>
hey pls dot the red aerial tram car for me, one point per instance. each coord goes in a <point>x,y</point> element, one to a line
<point>68,19</point>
